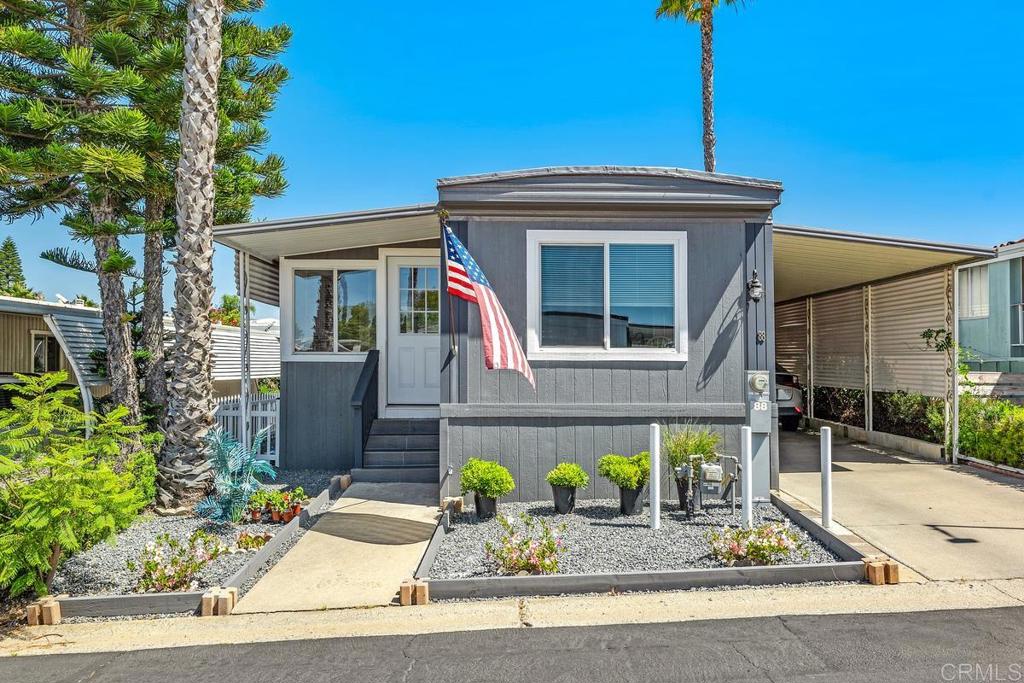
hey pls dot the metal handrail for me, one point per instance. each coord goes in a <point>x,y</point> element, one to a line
<point>364,405</point>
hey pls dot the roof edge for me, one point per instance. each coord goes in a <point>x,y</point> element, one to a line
<point>845,235</point>
<point>343,217</point>
<point>569,171</point>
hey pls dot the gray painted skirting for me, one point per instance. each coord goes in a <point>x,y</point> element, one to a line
<point>596,410</point>
<point>168,603</point>
<point>557,584</point>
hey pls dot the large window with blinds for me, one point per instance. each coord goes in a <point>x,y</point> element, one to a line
<point>606,295</point>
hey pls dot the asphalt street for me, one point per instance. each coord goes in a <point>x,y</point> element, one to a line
<point>971,645</point>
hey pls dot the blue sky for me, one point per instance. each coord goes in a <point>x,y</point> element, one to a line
<point>906,121</point>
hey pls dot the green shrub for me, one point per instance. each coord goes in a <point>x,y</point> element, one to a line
<point>626,473</point>
<point>845,406</point>
<point>59,490</point>
<point>910,414</point>
<point>143,468</point>
<point>680,443</point>
<point>534,549</point>
<point>487,478</point>
<point>570,475</point>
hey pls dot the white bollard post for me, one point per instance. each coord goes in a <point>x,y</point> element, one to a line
<point>826,477</point>
<point>655,478</point>
<point>747,474</point>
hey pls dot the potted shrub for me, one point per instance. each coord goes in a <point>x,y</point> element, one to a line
<point>630,475</point>
<point>278,505</point>
<point>297,499</point>
<point>564,480</point>
<point>689,447</point>
<point>257,503</point>
<point>488,481</point>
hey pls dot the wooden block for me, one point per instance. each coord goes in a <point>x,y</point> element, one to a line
<point>892,572</point>
<point>345,481</point>
<point>223,603</point>
<point>405,593</point>
<point>459,502</point>
<point>875,573</point>
<point>422,593</point>
<point>34,614</point>
<point>51,613</point>
<point>233,592</point>
<point>209,604</point>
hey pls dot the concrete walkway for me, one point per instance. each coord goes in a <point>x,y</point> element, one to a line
<point>356,555</point>
<point>946,523</point>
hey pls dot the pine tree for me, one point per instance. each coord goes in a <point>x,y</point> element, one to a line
<point>68,142</point>
<point>12,277</point>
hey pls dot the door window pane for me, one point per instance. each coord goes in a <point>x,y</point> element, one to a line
<point>357,310</point>
<point>418,299</point>
<point>642,295</point>
<point>45,353</point>
<point>572,295</point>
<point>313,306</point>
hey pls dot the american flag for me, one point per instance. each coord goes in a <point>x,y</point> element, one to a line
<point>466,281</point>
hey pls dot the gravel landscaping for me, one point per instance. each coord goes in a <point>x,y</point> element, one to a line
<point>103,569</point>
<point>600,540</point>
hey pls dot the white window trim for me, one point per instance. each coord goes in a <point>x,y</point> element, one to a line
<point>32,350</point>
<point>968,291</point>
<point>287,289</point>
<point>536,238</point>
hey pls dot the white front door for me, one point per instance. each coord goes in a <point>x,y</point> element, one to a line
<point>414,331</point>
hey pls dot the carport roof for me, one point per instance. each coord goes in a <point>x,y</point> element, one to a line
<point>814,260</point>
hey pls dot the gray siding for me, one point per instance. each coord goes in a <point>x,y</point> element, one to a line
<point>583,410</point>
<point>532,447</point>
<point>713,373</point>
<point>316,414</point>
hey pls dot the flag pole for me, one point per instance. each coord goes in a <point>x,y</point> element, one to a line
<point>453,346</point>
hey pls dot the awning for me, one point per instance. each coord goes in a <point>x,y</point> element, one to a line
<point>814,260</point>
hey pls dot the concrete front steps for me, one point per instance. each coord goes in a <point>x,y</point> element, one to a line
<point>400,451</point>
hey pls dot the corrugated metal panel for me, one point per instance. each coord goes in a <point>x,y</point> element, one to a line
<point>265,350</point>
<point>838,340</point>
<point>83,335</point>
<point>791,337</point>
<point>900,312</point>
<point>263,280</point>
<point>16,341</point>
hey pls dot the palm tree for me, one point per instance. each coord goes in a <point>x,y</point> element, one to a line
<point>190,412</point>
<point>701,12</point>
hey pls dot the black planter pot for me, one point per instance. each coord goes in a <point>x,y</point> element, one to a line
<point>485,507</point>
<point>631,501</point>
<point>565,499</point>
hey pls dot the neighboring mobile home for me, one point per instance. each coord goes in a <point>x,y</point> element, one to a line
<point>639,294</point>
<point>45,336</point>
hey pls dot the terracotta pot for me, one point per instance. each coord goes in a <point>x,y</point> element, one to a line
<point>287,515</point>
<point>257,515</point>
<point>275,515</point>
<point>297,509</point>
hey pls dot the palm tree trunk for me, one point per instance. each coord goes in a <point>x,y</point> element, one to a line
<point>707,75</point>
<point>185,473</point>
<point>124,385</point>
<point>155,384</point>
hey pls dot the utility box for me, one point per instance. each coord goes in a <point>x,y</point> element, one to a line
<point>759,417</point>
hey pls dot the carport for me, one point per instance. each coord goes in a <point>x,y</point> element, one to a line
<point>850,310</point>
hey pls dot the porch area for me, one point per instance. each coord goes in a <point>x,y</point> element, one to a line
<point>361,340</point>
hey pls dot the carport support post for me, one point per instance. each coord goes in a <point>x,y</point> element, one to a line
<point>826,477</point>
<point>747,477</point>
<point>655,476</point>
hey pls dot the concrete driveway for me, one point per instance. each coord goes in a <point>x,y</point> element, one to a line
<point>947,523</point>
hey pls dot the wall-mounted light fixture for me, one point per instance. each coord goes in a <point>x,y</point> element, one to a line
<point>755,290</point>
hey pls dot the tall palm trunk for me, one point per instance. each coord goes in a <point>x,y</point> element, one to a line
<point>155,385</point>
<point>124,385</point>
<point>185,473</point>
<point>707,75</point>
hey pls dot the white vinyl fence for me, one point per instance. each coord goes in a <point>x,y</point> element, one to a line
<point>264,410</point>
